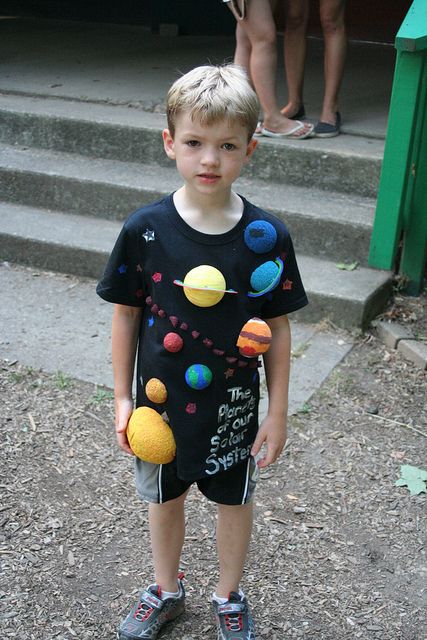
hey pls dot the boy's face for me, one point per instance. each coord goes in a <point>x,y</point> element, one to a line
<point>209,157</point>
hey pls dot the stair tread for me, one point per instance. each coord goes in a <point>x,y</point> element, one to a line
<point>347,209</point>
<point>320,276</point>
<point>347,145</point>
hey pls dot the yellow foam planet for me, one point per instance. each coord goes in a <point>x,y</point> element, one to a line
<point>204,286</point>
<point>150,437</point>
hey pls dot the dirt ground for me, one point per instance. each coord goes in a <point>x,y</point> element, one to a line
<point>338,550</point>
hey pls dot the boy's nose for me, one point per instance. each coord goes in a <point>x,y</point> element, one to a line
<point>210,158</point>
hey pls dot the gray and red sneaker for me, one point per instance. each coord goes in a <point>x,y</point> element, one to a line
<point>234,619</point>
<point>151,613</point>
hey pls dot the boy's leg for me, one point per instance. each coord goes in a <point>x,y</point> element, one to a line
<point>234,528</point>
<point>164,600</point>
<point>167,531</point>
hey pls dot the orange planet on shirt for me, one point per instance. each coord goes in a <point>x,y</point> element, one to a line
<point>156,391</point>
<point>254,338</point>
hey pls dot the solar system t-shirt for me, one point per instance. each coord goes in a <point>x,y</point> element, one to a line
<point>201,294</point>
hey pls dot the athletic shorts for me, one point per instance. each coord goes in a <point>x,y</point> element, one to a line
<point>159,483</point>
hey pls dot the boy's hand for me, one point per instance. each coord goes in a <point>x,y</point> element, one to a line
<point>124,410</point>
<point>273,433</point>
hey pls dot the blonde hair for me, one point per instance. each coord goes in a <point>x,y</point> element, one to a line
<point>212,93</point>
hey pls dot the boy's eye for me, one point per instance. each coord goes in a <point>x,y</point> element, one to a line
<point>192,143</point>
<point>228,146</point>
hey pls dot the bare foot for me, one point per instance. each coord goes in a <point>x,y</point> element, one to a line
<point>329,116</point>
<point>293,110</point>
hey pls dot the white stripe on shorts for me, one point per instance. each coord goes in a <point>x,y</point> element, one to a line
<point>245,491</point>
<point>159,483</point>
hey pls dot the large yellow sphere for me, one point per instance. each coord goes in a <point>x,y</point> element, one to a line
<point>204,286</point>
<point>150,437</point>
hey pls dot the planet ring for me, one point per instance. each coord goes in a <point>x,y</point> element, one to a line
<point>198,288</point>
<point>273,283</point>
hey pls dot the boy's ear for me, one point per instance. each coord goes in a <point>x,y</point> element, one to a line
<point>168,144</point>
<point>252,145</point>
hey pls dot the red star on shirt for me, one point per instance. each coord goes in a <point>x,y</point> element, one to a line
<point>287,285</point>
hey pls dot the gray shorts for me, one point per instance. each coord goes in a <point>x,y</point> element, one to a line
<point>159,483</point>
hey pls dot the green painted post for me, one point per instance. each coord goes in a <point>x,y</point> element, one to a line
<point>402,195</point>
<point>396,163</point>
<point>414,255</point>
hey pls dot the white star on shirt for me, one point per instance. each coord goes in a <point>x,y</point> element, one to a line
<point>148,235</point>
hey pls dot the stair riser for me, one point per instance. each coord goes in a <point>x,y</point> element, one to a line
<point>52,257</point>
<point>314,236</point>
<point>347,313</point>
<point>100,140</point>
<point>73,196</point>
<point>84,263</point>
<point>302,166</point>
<point>328,239</point>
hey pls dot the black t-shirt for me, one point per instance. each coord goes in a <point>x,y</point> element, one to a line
<point>212,386</point>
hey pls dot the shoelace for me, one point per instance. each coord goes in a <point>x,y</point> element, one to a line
<point>143,612</point>
<point>234,621</point>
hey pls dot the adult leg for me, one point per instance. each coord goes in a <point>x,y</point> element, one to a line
<point>294,52</point>
<point>167,530</point>
<point>233,534</point>
<point>242,53</point>
<point>334,34</point>
<point>260,29</point>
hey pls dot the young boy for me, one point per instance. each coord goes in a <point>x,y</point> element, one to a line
<point>194,268</point>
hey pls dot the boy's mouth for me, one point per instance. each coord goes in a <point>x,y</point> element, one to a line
<point>208,176</point>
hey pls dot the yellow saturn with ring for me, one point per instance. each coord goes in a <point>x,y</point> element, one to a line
<point>204,286</point>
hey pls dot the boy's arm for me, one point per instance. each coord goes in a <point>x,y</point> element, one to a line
<point>124,339</point>
<point>272,430</point>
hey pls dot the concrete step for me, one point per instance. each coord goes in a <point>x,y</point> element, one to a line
<point>347,164</point>
<point>80,245</point>
<point>323,224</point>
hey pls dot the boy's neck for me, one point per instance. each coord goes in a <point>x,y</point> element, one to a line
<point>209,215</point>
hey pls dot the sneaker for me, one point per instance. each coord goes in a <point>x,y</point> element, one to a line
<point>234,619</point>
<point>150,613</point>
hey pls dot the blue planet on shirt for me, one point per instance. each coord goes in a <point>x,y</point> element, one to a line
<point>260,236</point>
<point>198,376</point>
<point>266,277</point>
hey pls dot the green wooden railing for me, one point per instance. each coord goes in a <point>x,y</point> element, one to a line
<point>399,237</point>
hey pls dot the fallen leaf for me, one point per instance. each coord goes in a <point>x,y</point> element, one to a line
<point>414,478</point>
<point>347,266</point>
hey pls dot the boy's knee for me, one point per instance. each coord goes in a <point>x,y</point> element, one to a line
<point>234,509</point>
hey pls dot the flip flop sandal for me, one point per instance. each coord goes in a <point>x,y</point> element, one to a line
<point>259,128</point>
<point>328,130</point>
<point>290,134</point>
